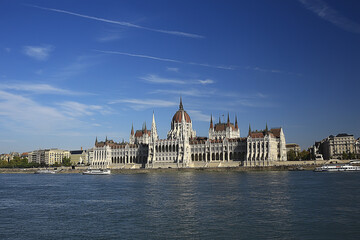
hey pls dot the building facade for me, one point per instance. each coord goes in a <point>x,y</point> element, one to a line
<point>48,156</point>
<point>182,148</point>
<point>333,147</point>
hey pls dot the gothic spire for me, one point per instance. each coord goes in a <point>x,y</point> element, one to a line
<point>181,105</point>
<point>228,121</point>
<point>236,124</point>
<point>266,129</point>
<point>249,129</point>
<point>211,122</point>
<point>132,129</point>
<point>96,141</point>
<point>219,120</point>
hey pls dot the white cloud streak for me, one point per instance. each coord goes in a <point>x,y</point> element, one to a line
<point>37,52</point>
<point>152,78</point>
<point>156,79</point>
<point>76,109</point>
<point>167,60</point>
<point>140,104</point>
<point>327,13</point>
<point>38,89</point>
<point>199,116</point>
<point>125,24</point>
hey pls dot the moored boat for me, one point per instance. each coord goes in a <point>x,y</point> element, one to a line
<point>97,172</point>
<point>337,168</point>
<point>45,171</point>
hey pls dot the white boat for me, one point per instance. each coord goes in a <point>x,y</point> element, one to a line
<point>337,168</point>
<point>97,172</point>
<point>45,171</point>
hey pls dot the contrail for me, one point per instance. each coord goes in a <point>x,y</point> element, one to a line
<point>167,60</point>
<point>126,24</point>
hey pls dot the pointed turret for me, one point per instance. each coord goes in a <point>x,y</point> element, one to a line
<point>236,124</point>
<point>228,120</point>
<point>96,141</point>
<point>266,128</point>
<point>145,130</point>
<point>181,105</point>
<point>211,122</point>
<point>249,130</point>
<point>154,135</point>
<point>219,120</point>
<point>132,129</point>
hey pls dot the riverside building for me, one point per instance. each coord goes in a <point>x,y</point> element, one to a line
<point>182,148</point>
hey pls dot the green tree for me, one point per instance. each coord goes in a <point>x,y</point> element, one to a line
<point>304,155</point>
<point>291,155</point>
<point>66,161</point>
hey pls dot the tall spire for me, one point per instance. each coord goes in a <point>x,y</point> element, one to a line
<point>96,141</point>
<point>249,129</point>
<point>211,122</point>
<point>154,135</point>
<point>266,129</point>
<point>228,121</point>
<point>145,130</point>
<point>106,139</point>
<point>132,129</point>
<point>219,120</point>
<point>181,105</point>
<point>236,124</point>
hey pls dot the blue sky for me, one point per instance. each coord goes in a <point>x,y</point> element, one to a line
<point>74,70</point>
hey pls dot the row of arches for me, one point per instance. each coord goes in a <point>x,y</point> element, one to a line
<point>127,159</point>
<point>167,148</point>
<point>217,156</point>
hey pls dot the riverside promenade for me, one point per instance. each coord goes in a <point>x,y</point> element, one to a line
<point>277,166</point>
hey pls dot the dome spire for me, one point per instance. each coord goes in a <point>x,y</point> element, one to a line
<point>228,120</point>
<point>181,105</point>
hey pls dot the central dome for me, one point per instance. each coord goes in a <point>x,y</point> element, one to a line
<point>177,118</point>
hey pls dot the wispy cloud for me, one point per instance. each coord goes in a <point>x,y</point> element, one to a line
<point>125,24</point>
<point>22,113</point>
<point>7,49</point>
<point>40,53</point>
<point>152,78</point>
<point>189,92</point>
<point>76,109</point>
<point>172,69</point>
<point>110,35</point>
<point>324,11</point>
<point>271,70</point>
<point>156,79</point>
<point>198,115</point>
<point>140,104</point>
<point>167,60</point>
<point>38,89</point>
<point>206,81</point>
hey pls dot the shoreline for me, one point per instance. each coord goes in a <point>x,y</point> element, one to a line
<point>161,170</point>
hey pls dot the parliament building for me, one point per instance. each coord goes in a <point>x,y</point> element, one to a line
<point>183,149</point>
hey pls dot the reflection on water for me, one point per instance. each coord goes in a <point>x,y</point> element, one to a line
<point>254,205</point>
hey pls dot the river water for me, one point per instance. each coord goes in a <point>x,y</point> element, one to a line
<point>181,205</point>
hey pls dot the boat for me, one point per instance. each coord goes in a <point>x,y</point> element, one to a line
<point>45,171</point>
<point>337,168</point>
<point>97,172</point>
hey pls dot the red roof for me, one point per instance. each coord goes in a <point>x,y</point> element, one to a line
<point>178,117</point>
<point>222,127</point>
<point>140,133</point>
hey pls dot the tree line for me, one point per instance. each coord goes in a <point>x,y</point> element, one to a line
<point>18,162</point>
